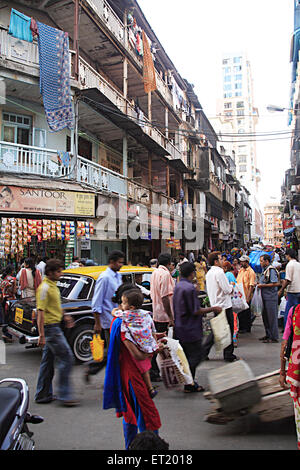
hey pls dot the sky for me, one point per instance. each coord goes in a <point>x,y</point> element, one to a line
<point>196,33</point>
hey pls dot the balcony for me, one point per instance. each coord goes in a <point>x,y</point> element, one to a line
<point>41,162</point>
<point>90,79</point>
<point>229,195</point>
<point>112,22</point>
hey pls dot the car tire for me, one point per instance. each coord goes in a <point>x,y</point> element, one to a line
<point>80,342</point>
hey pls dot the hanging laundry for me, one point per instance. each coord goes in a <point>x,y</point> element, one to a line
<point>19,26</point>
<point>34,28</point>
<point>64,158</point>
<point>149,70</point>
<point>55,77</point>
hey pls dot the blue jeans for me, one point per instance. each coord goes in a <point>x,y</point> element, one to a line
<point>292,300</point>
<point>56,348</point>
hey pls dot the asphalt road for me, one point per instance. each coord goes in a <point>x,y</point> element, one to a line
<point>89,427</point>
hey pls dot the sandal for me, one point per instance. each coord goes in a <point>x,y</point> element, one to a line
<point>193,388</point>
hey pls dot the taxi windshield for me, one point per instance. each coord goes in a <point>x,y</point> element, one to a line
<point>74,287</point>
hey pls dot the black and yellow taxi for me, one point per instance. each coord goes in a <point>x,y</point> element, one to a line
<point>76,288</point>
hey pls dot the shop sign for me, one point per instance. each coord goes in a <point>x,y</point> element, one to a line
<point>46,201</point>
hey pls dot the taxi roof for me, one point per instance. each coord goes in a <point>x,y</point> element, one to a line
<point>95,271</point>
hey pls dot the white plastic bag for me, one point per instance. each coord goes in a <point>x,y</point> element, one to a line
<point>239,299</point>
<point>257,303</point>
<point>282,306</point>
<point>221,331</point>
<point>173,365</point>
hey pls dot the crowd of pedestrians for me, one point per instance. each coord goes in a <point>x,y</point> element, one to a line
<point>134,336</point>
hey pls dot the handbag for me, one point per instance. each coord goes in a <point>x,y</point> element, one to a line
<point>97,348</point>
<point>221,331</point>
<point>173,365</point>
<point>238,299</point>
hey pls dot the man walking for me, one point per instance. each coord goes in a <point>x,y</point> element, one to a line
<point>291,281</point>
<point>188,321</point>
<point>219,293</point>
<point>105,288</point>
<point>247,277</point>
<point>161,291</point>
<point>52,339</point>
<point>269,284</point>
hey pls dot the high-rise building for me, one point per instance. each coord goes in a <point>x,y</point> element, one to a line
<point>273,224</point>
<point>237,107</point>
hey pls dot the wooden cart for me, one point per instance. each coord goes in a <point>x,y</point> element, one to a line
<point>275,403</point>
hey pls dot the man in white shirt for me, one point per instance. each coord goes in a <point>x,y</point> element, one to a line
<point>219,293</point>
<point>292,281</point>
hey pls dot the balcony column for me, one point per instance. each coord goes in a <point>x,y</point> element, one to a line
<point>125,155</point>
<point>125,78</point>
<point>167,122</point>
<point>76,41</point>
<point>150,106</point>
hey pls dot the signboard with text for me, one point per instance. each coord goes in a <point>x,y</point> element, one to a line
<point>46,201</point>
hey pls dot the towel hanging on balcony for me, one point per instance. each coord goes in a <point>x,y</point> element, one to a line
<point>55,77</point>
<point>149,70</point>
<point>19,26</point>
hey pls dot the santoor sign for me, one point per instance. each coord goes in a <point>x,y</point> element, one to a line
<point>46,201</point>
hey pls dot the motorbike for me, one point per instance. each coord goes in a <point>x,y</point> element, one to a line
<point>14,416</point>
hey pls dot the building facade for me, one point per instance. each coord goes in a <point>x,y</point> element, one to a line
<point>237,108</point>
<point>273,225</point>
<point>129,149</point>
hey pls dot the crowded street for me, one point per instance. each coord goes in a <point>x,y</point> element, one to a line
<point>89,427</point>
<point>149,228</point>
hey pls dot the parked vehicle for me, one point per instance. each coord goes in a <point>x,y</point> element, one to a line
<point>14,416</point>
<point>76,288</point>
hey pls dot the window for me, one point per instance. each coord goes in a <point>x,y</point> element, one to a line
<point>227,95</point>
<point>240,104</point>
<point>241,131</point>
<point>238,77</point>
<point>237,60</point>
<point>227,78</point>
<point>242,148</point>
<point>237,68</point>
<point>227,105</point>
<point>227,70</point>
<point>226,61</point>
<point>240,122</point>
<point>242,158</point>
<point>238,93</point>
<point>243,168</point>
<point>238,86</point>
<point>227,87</point>
<point>240,112</point>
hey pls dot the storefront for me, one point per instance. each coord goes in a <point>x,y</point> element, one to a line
<point>38,222</point>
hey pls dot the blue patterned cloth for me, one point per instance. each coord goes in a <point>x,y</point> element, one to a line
<point>55,77</point>
<point>19,26</point>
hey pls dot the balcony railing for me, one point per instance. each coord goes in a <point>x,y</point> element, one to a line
<point>113,23</point>
<point>29,160</point>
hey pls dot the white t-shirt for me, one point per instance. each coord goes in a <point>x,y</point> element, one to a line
<point>218,288</point>
<point>292,274</point>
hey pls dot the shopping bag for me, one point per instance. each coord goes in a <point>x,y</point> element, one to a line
<point>238,299</point>
<point>282,306</point>
<point>257,303</point>
<point>173,365</point>
<point>221,331</point>
<point>97,348</point>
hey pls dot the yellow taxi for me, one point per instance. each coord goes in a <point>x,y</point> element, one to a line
<point>76,288</point>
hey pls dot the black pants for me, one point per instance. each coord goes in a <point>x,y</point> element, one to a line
<point>161,327</point>
<point>245,320</point>
<point>208,343</point>
<point>193,352</point>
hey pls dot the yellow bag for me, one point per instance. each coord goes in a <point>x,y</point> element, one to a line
<point>97,348</point>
